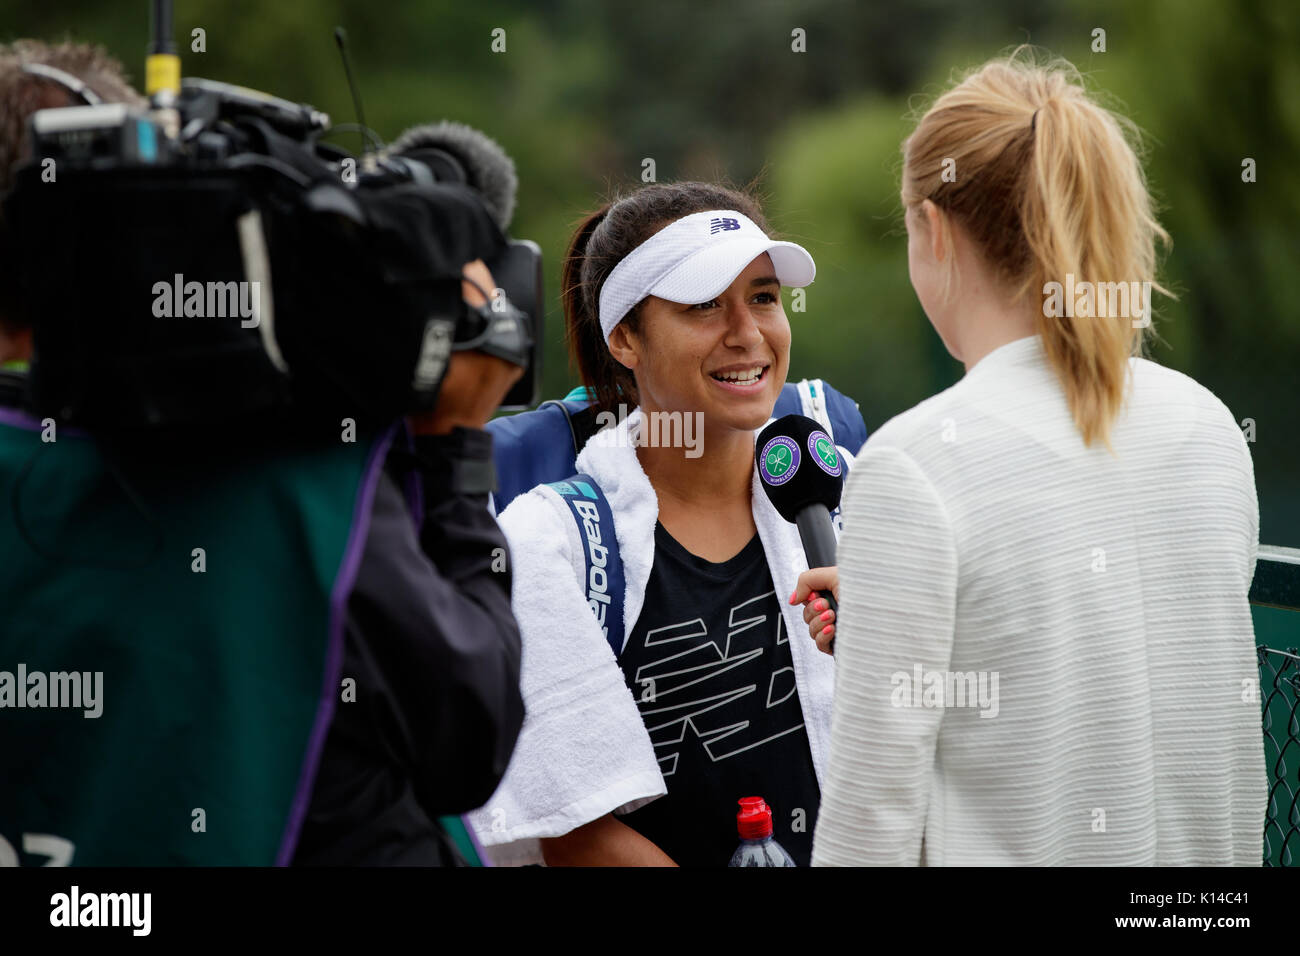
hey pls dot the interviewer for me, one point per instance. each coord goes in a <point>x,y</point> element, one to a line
<point>1044,649</point>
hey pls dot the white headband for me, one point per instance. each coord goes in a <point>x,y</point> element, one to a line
<point>694,260</point>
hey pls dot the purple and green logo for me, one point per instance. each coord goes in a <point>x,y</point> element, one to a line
<point>780,460</point>
<point>824,453</point>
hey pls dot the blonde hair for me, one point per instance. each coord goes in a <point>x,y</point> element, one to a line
<point>1048,184</point>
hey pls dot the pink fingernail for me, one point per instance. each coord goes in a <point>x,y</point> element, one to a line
<point>826,616</point>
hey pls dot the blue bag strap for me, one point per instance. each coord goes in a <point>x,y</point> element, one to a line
<point>603,579</point>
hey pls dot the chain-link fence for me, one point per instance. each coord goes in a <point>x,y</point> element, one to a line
<point>1275,593</point>
<point>1279,681</point>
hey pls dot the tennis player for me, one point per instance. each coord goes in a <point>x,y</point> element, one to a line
<point>673,303</point>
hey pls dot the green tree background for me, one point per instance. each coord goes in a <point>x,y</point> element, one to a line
<point>586,89</point>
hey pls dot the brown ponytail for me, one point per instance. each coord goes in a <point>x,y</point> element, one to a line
<point>597,367</point>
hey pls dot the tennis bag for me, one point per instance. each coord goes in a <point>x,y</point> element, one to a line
<point>536,447</point>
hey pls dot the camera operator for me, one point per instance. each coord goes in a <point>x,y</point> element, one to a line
<point>445,698</point>
<point>429,644</point>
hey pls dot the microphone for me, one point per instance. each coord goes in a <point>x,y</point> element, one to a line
<point>461,154</point>
<point>803,476</point>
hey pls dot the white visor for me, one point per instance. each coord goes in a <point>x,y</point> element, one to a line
<point>694,260</point>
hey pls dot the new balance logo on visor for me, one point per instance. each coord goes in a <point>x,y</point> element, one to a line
<point>682,261</point>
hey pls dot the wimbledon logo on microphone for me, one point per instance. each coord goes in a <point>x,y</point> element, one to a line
<point>780,460</point>
<point>824,453</point>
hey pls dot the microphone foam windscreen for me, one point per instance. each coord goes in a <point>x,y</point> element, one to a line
<point>488,167</point>
<point>799,465</point>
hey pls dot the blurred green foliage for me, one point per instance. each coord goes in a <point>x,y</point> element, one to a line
<point>587,89</point>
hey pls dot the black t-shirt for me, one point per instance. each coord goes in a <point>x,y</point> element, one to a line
<point>709,665</point>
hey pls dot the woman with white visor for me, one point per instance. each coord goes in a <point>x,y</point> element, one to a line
<point>673,305</point>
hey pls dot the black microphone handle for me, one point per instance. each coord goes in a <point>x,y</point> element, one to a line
<point>819,546</point>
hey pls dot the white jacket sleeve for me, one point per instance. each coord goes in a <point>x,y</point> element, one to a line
<point>583,750</point>
<point>898,581</point>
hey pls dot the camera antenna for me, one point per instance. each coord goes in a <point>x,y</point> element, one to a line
<point>341,38</point>
<point>162,67</point>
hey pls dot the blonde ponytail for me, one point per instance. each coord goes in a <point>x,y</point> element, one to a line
<point>1050,187</point>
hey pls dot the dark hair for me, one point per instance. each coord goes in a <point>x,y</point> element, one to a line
<point>602,240</point>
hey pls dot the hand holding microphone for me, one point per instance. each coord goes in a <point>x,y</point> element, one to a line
<point>819,611</point>
<point>803,475</point>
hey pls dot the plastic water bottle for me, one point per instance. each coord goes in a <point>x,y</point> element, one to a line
<point>757,848</point>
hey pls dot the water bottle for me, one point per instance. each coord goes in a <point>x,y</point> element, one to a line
<point>757,848</point>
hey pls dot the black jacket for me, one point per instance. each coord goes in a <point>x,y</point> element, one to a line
<point>435,652</point>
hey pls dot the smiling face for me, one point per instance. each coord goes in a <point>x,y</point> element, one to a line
<point>727,357</point>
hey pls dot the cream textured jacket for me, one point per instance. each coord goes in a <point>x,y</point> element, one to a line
<point>1045,653</point>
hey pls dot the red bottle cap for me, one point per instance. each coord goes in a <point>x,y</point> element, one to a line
<point>754,821</point>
